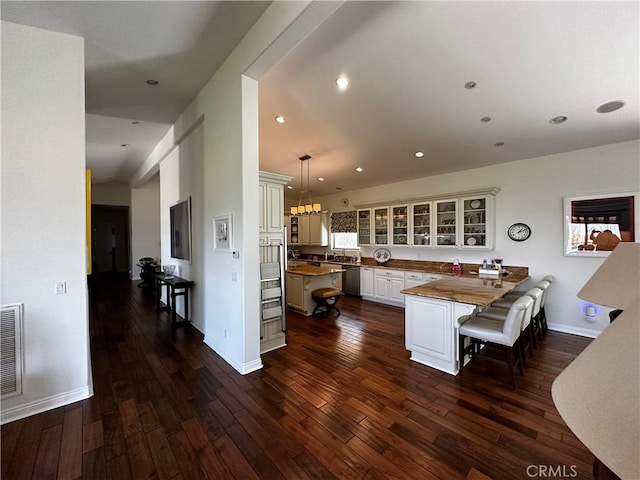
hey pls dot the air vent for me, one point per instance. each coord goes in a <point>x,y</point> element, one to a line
<point>11,350</point>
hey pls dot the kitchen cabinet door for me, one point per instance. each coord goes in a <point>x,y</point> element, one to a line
<point>395,286</point>
<point>366,281</point>
<point>400,225</point>
<point>477,222</point>
<point>446,223</point>
<point>364,227</point>
<point>318,230</point>
<point>420,223</point>
<point>295,291</point>
<point>381,225</point>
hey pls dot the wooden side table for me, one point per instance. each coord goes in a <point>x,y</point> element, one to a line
<point>175,287</point>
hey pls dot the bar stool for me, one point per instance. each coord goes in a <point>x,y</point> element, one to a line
<point>326,298</point>
<point>495,336</point>
<point>499,310</point>
<point>540,319</point>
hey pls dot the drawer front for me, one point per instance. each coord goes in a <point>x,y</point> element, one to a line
<point>413,276</point>
<point>383,272</point>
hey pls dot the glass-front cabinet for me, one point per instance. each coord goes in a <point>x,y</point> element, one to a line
<point>400,225</point>
<point>474,222</point>
<point>446,223</point>
<point>381,225</point>
<point>421,224</point>
<point>364,227</point>
<point>464,221</point>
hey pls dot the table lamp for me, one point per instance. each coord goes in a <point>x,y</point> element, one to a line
<point>598,394</point>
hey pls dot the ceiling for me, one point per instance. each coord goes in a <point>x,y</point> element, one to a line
<point>407,62</point>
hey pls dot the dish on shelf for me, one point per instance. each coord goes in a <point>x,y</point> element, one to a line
<point>475,203</point>
<point>471,241</point>
<point>402,239</point>
<point>382,255</point>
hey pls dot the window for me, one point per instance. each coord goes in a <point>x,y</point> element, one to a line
<point>347,240</point>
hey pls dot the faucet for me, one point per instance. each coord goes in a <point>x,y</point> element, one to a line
<point>291,253</point>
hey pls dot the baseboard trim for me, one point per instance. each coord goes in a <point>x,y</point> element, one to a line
<point>242,368</point>
<point>582,332</point>
<point>42,405</point>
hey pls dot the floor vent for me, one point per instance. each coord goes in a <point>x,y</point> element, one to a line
<point>11,350</point>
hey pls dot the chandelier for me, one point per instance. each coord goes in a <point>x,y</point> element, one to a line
<point>305,205</point>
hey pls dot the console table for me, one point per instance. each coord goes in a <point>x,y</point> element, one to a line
<point>175,287</point>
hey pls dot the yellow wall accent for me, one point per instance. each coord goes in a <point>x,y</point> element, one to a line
<point>88,208</point>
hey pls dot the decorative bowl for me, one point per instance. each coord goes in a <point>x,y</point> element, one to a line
<point>168,270</point>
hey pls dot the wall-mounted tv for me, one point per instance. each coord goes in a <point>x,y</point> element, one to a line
<point>180,215</point>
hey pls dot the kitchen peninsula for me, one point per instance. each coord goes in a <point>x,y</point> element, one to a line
<point>304,279</point>
<point>432,311</point>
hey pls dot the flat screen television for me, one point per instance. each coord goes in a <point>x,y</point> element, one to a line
<point>180,215</point>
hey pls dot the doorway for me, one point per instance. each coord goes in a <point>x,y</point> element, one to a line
<point>110,239</point>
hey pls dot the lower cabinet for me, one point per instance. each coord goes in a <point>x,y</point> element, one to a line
<point>366,281</point>
<point>431,331</point>
<point>384,285</point>
<point>300,287</point>
<point>388,284</point>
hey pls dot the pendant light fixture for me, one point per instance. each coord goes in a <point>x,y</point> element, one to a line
<point>305,204</point>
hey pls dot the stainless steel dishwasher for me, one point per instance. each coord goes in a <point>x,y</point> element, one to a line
<point>351,280</point>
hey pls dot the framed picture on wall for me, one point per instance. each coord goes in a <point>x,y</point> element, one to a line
<point>180,225</point>
<point>595,224</point>
<point>223,233</point>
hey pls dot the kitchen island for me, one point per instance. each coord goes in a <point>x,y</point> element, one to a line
<point>432,311</point>
<point>304,279</point>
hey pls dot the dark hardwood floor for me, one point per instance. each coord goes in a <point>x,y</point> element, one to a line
<point>342,400</point>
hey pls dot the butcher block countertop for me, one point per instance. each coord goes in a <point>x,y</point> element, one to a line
<point>463,289</point>
<point>313,271</point>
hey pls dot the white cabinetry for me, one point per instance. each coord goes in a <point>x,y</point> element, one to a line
<point>465,220</point>
<point>309,229</point>
<point>366,281</point>
<point>431,331</point>
<point>271,207</point>
<point>387,285</point>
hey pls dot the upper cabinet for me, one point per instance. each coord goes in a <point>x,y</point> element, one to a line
<point>271,206</point>
<point>309,229</point>
<point>400,225</point>
<point>465,221</point>
<point>381,225</point>
<point>364,226</point>
<point>421,224</point>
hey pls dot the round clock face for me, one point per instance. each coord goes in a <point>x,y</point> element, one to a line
<point>345,202</point>
<point>519,232</point>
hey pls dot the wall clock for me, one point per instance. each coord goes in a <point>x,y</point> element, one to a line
<point>519,232</point>
<point>345,202</point>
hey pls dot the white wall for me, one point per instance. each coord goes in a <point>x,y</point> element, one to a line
<point>145,224</point>
<point>111,193</point>
<point>532,192</point>
<point>228,288</point>
<point>181,178</point>
<point>43,213</point>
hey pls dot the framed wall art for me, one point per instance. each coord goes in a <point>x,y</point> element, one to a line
<point>223,233</point>
<point>595,224</point>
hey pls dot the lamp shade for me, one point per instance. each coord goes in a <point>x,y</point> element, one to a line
<point>598,395</point>
<point>617,282</point>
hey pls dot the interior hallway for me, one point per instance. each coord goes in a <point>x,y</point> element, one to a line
<point>341,401</point>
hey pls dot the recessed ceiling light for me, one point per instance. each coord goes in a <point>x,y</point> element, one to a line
<point>135,122</point>
<point>125,145</point>
<point>558,120</point>
<point>499,144</point>
<point>485,119</point>
<point>418,154</point>
<point>610,106</point>
<point>280,119</point>
<point>338,188</point>
<point>321,179</point>
<point>470,84</point>
<point>359,169</point>
<point>153,82</point>
<point>289,187</point>
<point>342,82</point>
